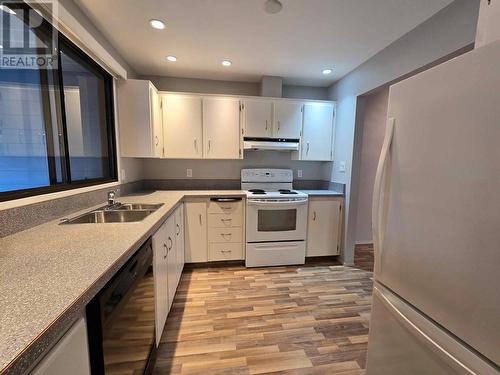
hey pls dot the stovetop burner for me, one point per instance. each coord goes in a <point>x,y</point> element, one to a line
<point>286,191</point>
<point>257,191</point>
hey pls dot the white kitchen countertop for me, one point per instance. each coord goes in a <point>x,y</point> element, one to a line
<point>318,193</point>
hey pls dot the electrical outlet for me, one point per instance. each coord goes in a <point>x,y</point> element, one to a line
<point>299,173</point>
<point>124,175</point>
<point>342,166</point>
<point>189,172</point>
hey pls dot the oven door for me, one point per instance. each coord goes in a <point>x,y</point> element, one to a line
<point>276,220</point>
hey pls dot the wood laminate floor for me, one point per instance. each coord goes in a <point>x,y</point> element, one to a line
<point>310,319</point>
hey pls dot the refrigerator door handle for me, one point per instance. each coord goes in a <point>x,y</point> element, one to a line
<point>378,189</point>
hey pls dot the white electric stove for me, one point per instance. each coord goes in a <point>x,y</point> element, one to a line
<point>276,218</point>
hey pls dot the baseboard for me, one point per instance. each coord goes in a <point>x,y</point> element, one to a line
<point>370,242</point>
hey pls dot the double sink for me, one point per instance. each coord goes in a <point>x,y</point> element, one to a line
<point>116,213</point>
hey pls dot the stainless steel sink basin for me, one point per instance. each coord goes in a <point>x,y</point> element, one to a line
<point>137,206</point>
<point>111,216</point>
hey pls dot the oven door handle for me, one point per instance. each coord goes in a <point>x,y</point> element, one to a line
<point>277,203</point>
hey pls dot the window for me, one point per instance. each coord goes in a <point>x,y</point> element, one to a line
<point>56,118</point>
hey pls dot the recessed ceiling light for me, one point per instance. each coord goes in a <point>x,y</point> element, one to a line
<point>226,62</point>
<point>5,8</point>
<point>273,6</point>
<point>172,58</point>
<point>157,24</point>
<point>327,71</point>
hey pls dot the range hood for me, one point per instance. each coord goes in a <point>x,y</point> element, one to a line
<point>276,144</point>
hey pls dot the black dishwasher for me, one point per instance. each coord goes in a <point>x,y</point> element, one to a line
<point>121,319</point>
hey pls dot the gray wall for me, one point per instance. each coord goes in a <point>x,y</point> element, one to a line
<point>230,169</point>
<point>450,30</point>
<point>373,129</point>
<point>205,86</point>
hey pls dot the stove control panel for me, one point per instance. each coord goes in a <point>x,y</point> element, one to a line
<point>266,175</point>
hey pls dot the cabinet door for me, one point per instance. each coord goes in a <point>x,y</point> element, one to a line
<point>135,113</point>
<point>160,277</point>
<point>196,232</point>
<point>323,226</point>
<point>171,260</point>
<point>156,121</point>
<point>221,128</point>
<point>317,136</point>
<point>287,119</point>
<point>258,118</point>
<point>69,356</point>
<point>179,239</point>
<point>182,127</point>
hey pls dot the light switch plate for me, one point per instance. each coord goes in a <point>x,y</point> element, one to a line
<point>299,173</point>
<point>189,172</point>
<point>342,166</point>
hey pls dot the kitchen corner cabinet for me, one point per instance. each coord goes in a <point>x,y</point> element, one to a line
<point>221,128</point>
<point>318,132</point>
<point>69,356</point>
<point>287,119</point>
<point>258,115</point>
<point>324,226</point>
<point>167,266</point>
<point>196,249</point>
<point>182,126</point>
<point>139,119</point>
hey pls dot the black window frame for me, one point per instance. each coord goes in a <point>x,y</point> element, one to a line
<point>58,85</point>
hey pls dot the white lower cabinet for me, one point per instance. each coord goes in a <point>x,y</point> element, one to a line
<point>323,226</point>
<point>167,267</point>
<point>214,229</point>
<point>69,356</point>
<point>196,231</point>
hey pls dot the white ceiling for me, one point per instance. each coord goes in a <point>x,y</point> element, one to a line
<point>306,37</point>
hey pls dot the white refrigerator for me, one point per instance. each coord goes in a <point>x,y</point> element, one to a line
<point>436,223</point>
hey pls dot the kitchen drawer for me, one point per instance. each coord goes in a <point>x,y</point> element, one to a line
<point>225,220</point>
<point>229,207</point>
<point>225,235</point>
<point>225,251</point>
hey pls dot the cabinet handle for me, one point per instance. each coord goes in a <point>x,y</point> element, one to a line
<point>171,243</point>
<point>157,140</point>
<point>166,251</point>
<point>209,145</point>
<point>307,148</point>
<point>226,251</point>
<point>178,230</point>
<point>266,124</point>
<point>200,218</point>
<point>226,219</point>
<point>196,145</point>
<point>279,125</point>
<point>314,215</point>
<point>226,199</point>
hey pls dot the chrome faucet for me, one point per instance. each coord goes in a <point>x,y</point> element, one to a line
<point>111,198</point>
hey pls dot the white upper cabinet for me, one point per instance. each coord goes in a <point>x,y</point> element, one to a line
<point>182,126</point>
<point>139,119</point>
<point>258,118</point>
<point>287,119</point>
<point>318,131</point>
<point>221,128</point>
